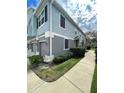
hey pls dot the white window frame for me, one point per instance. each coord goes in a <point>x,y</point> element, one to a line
<point>41,19</point>
<point>60,21</point>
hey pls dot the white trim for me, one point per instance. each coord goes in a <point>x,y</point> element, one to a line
<point>41,26</point>
<point>40,36</point>
<point>47,34</point>
<point>59,35</point>
<point>36,38</point>
<point>64,45</point>
<point>31,40</point>
<point>50,32</point>
<point>42,41</point>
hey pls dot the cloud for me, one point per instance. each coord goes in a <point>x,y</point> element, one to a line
<point>83,12</point>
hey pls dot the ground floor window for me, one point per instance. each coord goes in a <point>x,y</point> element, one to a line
<point>31,46</point>
<point>77,42</point>
<point>66,44</point>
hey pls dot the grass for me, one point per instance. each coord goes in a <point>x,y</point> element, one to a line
<point>55,72</point>
<point>28,65</point>
<point>94,82</point>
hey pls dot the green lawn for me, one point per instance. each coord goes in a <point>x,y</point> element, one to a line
<point>53,73</point>
<point>94,82</point>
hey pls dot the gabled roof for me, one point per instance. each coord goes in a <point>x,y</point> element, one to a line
<point>39,6</point>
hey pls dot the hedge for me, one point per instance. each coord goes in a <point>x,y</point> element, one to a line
<point>62,58</point>
<point>78,52</point>
<point>35,60</point>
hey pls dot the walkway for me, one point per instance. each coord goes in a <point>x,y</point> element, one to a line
<point>77,80</point>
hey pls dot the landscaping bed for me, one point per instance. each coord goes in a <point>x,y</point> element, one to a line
<point>59,66</point>
<point>56,71</point>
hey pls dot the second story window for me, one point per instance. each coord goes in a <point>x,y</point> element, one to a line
<point>42,17</point>
<point>66,44</point>
<point>45,13</point>
<point>62,21</point>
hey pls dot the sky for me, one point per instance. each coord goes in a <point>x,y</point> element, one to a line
<point>83,12</point>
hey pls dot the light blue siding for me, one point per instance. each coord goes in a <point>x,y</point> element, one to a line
<point>30,23</point>
<point>69,30</point>
<point>58,45</point>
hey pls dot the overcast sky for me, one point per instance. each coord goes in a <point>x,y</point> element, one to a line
<point>82,11</point>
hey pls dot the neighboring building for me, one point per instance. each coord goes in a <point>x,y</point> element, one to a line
<point>51,31</point>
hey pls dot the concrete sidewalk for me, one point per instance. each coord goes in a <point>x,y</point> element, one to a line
<point>77,80</point>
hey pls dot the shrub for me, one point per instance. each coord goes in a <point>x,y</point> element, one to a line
<point>35,60</point>
<point>62,58</point>
<point>58,59</point>
<point>78,52</point>
<point>67,56</point>
<point>88,47</point>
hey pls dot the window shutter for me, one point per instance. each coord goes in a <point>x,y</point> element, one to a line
<point>45,13</point>
<point>37,23</point>
<point>66,43</point>
<point>62,21</point>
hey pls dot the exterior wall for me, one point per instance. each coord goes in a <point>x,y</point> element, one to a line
<point>31,23</point>
<point>34,26</point>
<point>58,45</point>
<point>43,28</point>
<point>45,46</point>
<point>29,14</point>
<point>69,30</point>
<point>29,29</point>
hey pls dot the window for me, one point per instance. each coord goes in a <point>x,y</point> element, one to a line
<point>42,20</point>
<point>66,43</point>
<point>77,43</point>
<point>42,17</point>
<point>37,23</point>
<point>28,46</point>
<point>62,21</point>
<point>45,13</point>
<point>31,47</point>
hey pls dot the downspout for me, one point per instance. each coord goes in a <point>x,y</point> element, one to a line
<point>50,32</point>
